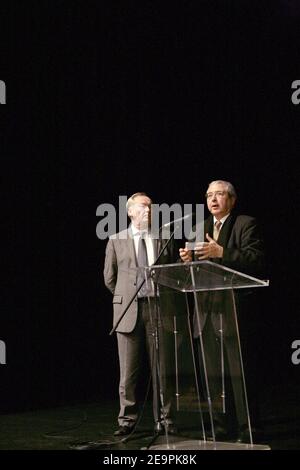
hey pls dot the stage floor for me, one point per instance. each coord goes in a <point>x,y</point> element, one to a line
<point>91,425</point>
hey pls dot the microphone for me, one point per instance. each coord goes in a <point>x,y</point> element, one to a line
<point>177,220</point>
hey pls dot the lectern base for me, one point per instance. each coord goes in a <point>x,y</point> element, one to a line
<point>194,444</point>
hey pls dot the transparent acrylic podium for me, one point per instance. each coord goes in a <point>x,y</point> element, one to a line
<point>200,366</point>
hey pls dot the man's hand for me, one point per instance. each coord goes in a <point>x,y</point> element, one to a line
<point>209,249</point>
<point>185,255</point>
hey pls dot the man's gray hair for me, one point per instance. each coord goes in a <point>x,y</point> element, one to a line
<point>229,187</point>
<point>131,199</point>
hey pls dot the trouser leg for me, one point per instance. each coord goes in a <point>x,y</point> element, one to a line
<point>130,348</point>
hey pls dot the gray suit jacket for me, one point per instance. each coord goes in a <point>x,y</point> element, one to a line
<point>120,276</point>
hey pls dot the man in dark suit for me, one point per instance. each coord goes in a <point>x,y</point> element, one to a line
<point>234,241</point>
<point>136,330</point>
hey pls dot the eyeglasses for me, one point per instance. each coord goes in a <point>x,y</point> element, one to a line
<point>216,193</point>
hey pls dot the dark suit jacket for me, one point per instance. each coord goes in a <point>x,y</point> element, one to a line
<point>242,242</point>
<point>243,246</point>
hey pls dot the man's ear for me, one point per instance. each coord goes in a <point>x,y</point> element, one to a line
<point>233,201</point>
<point>129,212</point>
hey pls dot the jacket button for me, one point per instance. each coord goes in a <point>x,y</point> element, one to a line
<point>134,283</point>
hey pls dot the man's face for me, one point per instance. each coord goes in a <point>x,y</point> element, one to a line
<point>140,212</point>
<point>219,202</point>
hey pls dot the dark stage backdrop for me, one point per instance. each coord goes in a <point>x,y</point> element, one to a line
<point>109,98</point>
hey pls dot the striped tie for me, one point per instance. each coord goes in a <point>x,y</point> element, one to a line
<point>217,229</point>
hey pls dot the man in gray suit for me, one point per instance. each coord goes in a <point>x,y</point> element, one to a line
<point>136,330</point>
<point>234,241</point>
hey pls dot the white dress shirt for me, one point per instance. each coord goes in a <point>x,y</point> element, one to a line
<point>148,240</point>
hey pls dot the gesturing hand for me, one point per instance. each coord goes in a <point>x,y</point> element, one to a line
<point>209,249</point>
<point>185,255</point>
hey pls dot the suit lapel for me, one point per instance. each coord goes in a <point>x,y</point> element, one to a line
<point>226,230</point>
<point>158,243</point>
<point>156,247</point>
<point>224,234</point>
<point>209,227</point>
<point>131,249</point>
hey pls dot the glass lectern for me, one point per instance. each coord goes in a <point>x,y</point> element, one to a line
<point>199,357</point>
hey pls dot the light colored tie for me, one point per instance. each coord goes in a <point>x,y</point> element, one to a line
<point>217,228</point>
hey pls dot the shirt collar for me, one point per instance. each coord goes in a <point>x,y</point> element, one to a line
<point>136,232</point>
<point>222,220</point>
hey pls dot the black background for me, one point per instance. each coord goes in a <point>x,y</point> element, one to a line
<point>109,98</point>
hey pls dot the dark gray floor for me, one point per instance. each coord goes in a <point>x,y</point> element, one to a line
<point>77,425</point>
